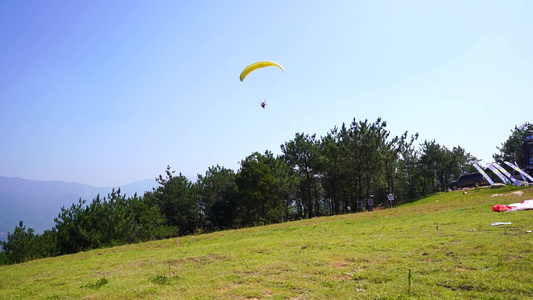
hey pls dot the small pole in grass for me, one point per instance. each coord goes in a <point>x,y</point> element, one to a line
<point>409,282</point>
<point>437,227</point>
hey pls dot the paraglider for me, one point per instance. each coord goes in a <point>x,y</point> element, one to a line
<point>258,65</point>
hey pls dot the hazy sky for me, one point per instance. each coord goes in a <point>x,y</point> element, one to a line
<point>110,92</point>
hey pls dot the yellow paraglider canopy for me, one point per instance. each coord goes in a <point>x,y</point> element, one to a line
<point>258,65</point>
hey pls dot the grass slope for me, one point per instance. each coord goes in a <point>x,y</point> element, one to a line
<point>446,241</point>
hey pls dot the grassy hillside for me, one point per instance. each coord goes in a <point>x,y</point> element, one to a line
<point>446,241</point>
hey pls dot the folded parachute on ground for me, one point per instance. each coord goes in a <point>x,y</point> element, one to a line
<point>524,205</point>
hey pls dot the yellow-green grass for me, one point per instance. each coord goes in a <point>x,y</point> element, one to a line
<point>445,240</point>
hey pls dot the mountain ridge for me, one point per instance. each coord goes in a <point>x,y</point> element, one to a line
<point>38,202</point>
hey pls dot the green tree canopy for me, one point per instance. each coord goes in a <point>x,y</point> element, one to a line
<point>177,202</point>
<point>511,149</point>
<point>217,198</point>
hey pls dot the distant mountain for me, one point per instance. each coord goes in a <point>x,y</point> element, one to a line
<point>37,203</point>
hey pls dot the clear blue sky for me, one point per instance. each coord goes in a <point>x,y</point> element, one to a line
<point>110,92</point>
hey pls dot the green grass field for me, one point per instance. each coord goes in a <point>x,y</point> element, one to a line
<point>444,241</point>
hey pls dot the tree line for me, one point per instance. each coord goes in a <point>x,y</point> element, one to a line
<point>313,176</point>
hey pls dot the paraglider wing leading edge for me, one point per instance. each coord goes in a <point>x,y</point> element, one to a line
<point>258,65</point>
